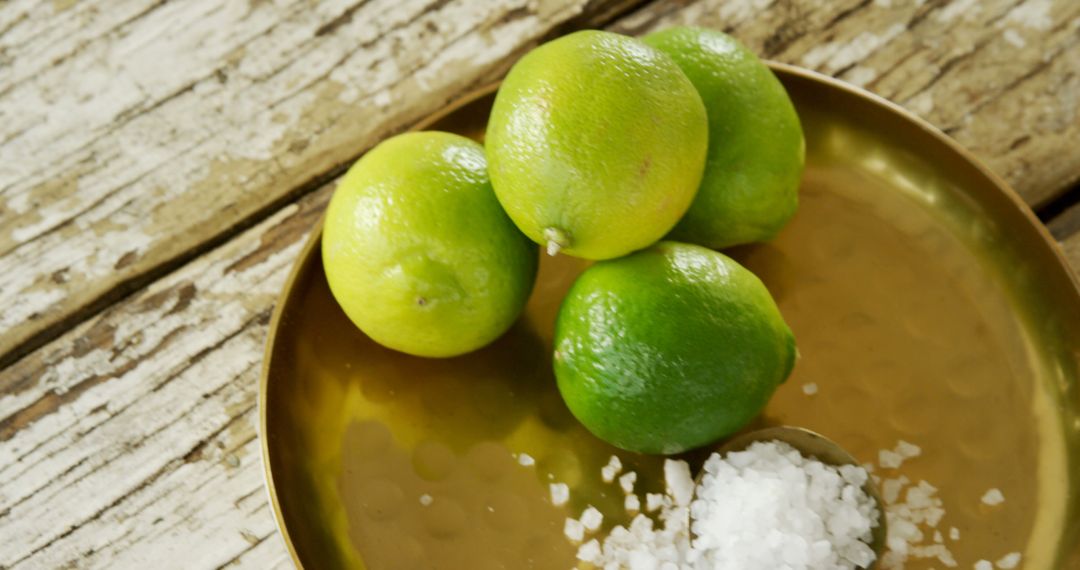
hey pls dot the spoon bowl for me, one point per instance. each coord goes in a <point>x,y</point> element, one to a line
<point>812,444</point>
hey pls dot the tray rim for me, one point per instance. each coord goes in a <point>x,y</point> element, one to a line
<point>778,68</point>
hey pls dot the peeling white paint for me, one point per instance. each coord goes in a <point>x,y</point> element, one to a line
<point>1033,14</point>
<point>145,180</point>
<point>833,56</point>
<point>860,75</point>
<point>968,9</point>
<point>1014,38</point>
<point>87,453</point>
<point>922,104</point>
<point>741,10</point>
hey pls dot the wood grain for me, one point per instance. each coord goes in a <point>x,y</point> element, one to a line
<point>187,122</point>
<point>129,440</point>
<point>155,462</point>
<point>136,136</point>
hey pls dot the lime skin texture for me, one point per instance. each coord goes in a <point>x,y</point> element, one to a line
<point>756,148</point>
<point>418,252</point>
<point>670,348</point>
<point>597,144</point>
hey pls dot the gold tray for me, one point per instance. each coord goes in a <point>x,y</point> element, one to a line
<point>928,303</point>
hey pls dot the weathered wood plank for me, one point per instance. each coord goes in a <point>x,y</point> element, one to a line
<point>1000,76</point>
<point>133,139</point>
<point>155,462</point>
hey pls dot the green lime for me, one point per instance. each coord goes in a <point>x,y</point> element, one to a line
<point>597,144</point>
<point>750,187</point>
<point>418,252</point>
<point>669,348</point>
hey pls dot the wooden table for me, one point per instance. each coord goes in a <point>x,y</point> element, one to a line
<point>162,162</point>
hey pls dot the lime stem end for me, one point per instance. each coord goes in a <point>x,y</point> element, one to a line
<point>556,239</point>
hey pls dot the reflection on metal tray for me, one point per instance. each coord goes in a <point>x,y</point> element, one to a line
<point>928,304</point>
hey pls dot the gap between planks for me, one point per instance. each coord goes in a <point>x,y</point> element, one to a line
<point>593,13</point>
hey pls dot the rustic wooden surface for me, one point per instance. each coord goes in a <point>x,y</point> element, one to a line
<point>161,164</point>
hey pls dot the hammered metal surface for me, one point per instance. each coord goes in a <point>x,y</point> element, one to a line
<point>927,306</point>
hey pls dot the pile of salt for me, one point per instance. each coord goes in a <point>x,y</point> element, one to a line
<point>769,507</point>
<point>764,508</point>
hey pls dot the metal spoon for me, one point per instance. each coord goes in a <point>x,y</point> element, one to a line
<point>812,444</point>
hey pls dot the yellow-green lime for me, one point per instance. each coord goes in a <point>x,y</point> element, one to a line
<point>669,348</point>
<point>418,252</point>
<point>750,187</point>
<point>596,144</point>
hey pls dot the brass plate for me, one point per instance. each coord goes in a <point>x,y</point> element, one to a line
<point>928,303</point>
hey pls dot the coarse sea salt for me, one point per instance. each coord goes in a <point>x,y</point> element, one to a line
<point>574,530</point>
<point>993,498</point>
<point>662,539</point>
<point>1009,561</point>
<point>560,493</point>
<point>808,515</point>
<point>609,471</point>
<point>894,458</point>
<point>592,518</point>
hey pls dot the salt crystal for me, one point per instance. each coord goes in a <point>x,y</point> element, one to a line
<point>984,565</point>
<point>954,533</point>
<point>589,552</point>
<point>426,500</point>
<point>890,489</point>
<point>993,497</point>
<point>920,509</point>
<point>908,450</point>
<point>560,494</point>
<point>592,518</point>
<point>526,460</point>
<point>574,530</point>
<point>810,389</point>
<point>894,458</point>
<point>919,498</point>
<point>627,482</point>
<point>1009,561</point>
<point>890,459</point>
<point>609,471</point>
<point>680,485</point>
<point>632,504</point>
<point>938,551</point>
<point>653,501</point>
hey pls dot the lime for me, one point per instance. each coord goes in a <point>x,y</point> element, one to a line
<point>750,187</point>
<point>597,144</point>
<point>418,252</point>
<point>669,348</point>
